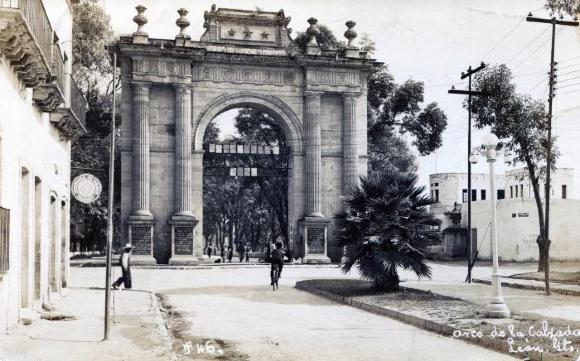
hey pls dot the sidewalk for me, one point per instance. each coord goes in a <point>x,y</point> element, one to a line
<point>555,287</point>
<point>520,300</point>
<point>137,332</point>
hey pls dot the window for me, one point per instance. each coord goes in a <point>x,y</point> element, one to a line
<point>511,191</point>
<point>516,191</point>
<point>437,195</point>
<point>474,195</point>
<point>464,196</point>
<point>501,194</point>
<point>4,240</point>
<point>483,195</point>
<point>564,192</point>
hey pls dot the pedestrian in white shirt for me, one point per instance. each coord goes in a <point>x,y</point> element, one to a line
<point>125,263</point>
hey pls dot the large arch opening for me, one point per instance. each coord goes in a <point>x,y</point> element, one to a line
<point>246,179</point>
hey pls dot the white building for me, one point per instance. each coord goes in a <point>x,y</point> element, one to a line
<point>41,109</point>
<point>517,214</point>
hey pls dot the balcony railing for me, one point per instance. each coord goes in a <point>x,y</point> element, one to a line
<point>35,14</point>
<point>57,68</point>
<point>78,103</point>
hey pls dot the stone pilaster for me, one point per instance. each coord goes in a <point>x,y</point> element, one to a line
<point>313,150</point>
<point>183,221</point>
<point>183,175</point>
<point>314,226</point>
<point>141,221</point>
<point>349,152</point>
<point>141,157</point>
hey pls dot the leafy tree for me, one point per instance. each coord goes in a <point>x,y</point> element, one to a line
<point>90,152</point>
<point>392,106</point>
<point>91,33</point>
<point>325,39</point>
<point>561,7</point>
<point>520,123</point>
<point>386,226</point>
<point>367,44</point>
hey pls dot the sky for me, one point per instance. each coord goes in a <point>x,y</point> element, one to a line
<point>426,40</point>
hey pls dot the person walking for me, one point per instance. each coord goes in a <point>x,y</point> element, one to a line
<point>247,254</point>
<point>241,251</point>
<point>125,263</point>
<point>230,254</point>
<point>223,254</point>
<point>209,250</point>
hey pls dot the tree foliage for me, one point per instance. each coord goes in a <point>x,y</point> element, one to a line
<point>386,226</point>
<point>91,33</point>
<point>520,123</point>
<point>90,152</point>
<point>393,106</point>
<point>561,7</point>
<point>325,39</point>
<point>248,210</point>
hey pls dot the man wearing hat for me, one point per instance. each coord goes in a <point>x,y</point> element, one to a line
<point>125,263</point>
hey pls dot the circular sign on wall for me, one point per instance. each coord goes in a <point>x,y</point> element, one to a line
<point>86,188</point>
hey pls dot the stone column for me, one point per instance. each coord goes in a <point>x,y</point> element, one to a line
<point>141,221</point>
<point>183,185</point>
<point>183,221</point>
<point>141,141</point>
<point>313,150</point>
<point>350,161</point>
<point>314,227</point>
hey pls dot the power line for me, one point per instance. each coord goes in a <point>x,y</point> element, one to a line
<point>503,39</point>
<point>527,45</point>
<point>534,52</point>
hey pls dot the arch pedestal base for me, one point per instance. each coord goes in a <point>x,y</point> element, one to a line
<point>315,241</point>
<point>183,240</point>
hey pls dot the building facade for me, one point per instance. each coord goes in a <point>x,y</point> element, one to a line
<point>172,90</point>
<point>517,215</point>
<point>41,109</point>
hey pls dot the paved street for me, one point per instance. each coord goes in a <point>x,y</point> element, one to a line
<point>238,312</point>
<point>233,310</point>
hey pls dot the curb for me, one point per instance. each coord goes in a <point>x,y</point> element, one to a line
<point>206,266</point>
<point>428,325</point>
<point>530,287</point>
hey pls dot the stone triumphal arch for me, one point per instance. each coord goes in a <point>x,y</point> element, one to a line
<point>173,88</point>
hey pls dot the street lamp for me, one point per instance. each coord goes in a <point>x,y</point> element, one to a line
<point>497,307</point>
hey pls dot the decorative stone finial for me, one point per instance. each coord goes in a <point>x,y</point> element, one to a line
<point>350,34</point>
<point>312,31</point>
<point>182,22</point>
<point>140,19</point>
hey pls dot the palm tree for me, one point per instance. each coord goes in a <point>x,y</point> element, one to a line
<point>386,225</point>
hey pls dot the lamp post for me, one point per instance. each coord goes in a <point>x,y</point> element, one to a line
<point>497,307</point>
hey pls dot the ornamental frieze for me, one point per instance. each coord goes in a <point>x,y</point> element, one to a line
<point>333,77</point>
<point>244,75</point>
<point>162,67</point>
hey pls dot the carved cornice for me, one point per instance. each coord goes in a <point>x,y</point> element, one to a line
<point>21,49</point>
<point>67,124</point>
<point>48,97</point>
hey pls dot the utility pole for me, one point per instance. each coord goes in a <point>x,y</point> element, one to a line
<point>553,21</point>
<point>110,206</point>
<point>469,93</point>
